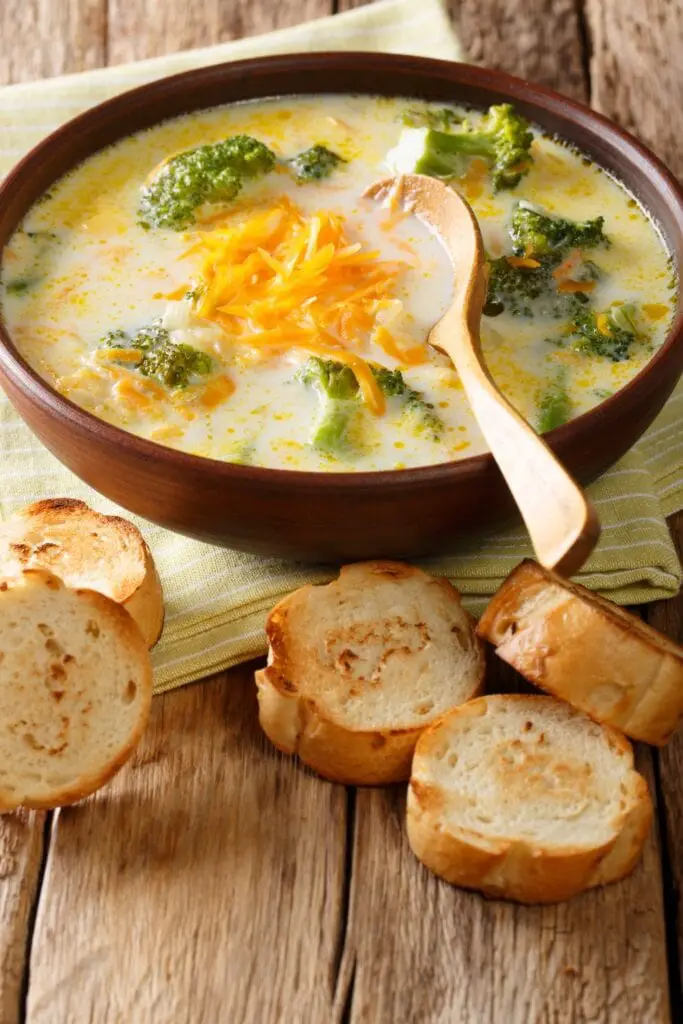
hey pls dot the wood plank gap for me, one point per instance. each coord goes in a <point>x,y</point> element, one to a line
<point>33,915</point>
<point>347,1007</point>
<point>105,34</point>
<point>346,891</point>
<point>586,44</point>
<point>344,974</point>
<point>670,896</point>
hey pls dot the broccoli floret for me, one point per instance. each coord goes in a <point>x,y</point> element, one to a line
<point>528,291</point>
<point>339,397</point>
<point>391,382</point>
<point>213,173</point>
<point>116,339</point>
<point>502,138</point>
<point>554,405</point>
<point>426,420</point>
<point>442,118</point>
<point>537,233</point>
<point>609,334</point>
<point>33,248</point>
<point>337,390</point>
<point>173,364</point>
<point>21,285</point>
<point>315,163</point>
<point>513,288</point>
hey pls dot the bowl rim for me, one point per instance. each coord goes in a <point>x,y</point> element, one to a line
<point>28,380</point>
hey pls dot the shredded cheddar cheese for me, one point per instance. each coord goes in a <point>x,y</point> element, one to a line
<point>279,279</point>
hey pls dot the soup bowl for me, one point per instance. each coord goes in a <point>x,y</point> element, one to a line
<point>331,516</point>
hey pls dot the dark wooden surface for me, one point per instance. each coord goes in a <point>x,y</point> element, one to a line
<point>215,880</point>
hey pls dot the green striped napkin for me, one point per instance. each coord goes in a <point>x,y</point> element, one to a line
<point>217,600</point>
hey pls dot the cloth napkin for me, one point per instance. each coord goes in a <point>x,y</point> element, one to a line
<point>217,600</point>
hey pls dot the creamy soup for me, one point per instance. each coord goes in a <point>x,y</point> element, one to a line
<point>267,314</point>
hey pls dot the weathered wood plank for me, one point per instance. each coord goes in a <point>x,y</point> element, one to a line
<point>668,617</point>
<point>41,38</point>
<point>134,34</point>
<point>536,39</point>
<point>423,952</point>
<point>636,70</point>
<point>204,884</point>
<point>21,851</point>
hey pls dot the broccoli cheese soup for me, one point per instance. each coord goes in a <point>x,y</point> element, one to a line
<point>218,285</point>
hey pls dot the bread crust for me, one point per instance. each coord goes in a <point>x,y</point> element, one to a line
<point>61,536</point>
<point>590,652</point>
<point>298,724</point>
<point>514,868</point>
<point>129,638</point>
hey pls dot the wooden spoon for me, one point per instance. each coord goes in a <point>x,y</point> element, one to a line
<point>561,521</point>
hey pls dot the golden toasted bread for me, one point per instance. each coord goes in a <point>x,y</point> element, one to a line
<point>358,668</point>
<point>75,690</point>
<point>525,798</point>
<point>88,550</point>
<point>589,651</point>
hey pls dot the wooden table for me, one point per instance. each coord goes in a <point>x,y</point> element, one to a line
<point>215,881</point>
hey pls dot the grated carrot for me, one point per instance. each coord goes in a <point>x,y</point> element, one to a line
<point>568,265</point>
<point>216,391</point>
<point>569,286</point>
<point>523,261</point>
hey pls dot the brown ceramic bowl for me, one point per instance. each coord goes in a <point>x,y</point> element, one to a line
<point>330,516</point>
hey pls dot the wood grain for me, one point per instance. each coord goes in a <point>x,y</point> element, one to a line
<point>40,38</point>
<point>133,34</point>
<point>536,39</point>
<point>204,884</point>
<point>21,852</point>
<point>422,952</point>
<point>636,70</point>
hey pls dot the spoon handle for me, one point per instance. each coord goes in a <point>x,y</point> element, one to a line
<point>561,520</point>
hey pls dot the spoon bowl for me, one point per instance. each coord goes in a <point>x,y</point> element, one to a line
<point>561,521</point>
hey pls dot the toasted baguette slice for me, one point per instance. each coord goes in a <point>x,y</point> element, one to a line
<point>88,550</point>
<point>588,651</point>
<point>358,668</point>
<point>75,690</point>
<point>525,798</point>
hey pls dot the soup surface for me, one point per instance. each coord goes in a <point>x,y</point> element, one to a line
<point>256,330</point>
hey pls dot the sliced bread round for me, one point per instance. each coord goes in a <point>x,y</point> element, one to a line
<point>89,550</point>
<point>525,798</point>
<point>75,690</point>
<point>358,668</point>
<point>588,651</point>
